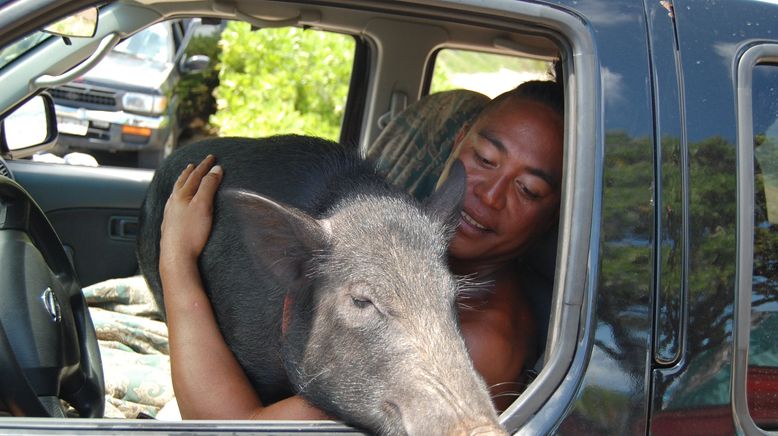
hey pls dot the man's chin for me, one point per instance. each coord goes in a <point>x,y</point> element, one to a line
<point>462,248</point>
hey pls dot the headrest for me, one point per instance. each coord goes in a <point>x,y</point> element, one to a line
<point>412,149</point>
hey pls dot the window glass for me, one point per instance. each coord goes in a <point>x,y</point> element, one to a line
<point>152,44</point>
<point>762,379</point>
<point>10,53</point>
<point>135,107</point>
<point>487,73</point>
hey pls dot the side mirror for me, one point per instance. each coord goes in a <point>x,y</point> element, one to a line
<point>81,25</point>
<point>30,128</point>
<point>195,64</point>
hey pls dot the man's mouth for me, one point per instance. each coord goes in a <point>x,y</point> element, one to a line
<point>470,220</point>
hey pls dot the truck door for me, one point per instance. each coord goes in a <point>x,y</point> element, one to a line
<point>715,355</point>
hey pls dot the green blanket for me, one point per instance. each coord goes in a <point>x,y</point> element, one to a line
<point>134,348</point>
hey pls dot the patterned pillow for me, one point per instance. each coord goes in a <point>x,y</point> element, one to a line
<point>412,149</point>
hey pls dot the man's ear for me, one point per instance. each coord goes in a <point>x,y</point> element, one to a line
<point>281,239</point>
<point>446,202</point>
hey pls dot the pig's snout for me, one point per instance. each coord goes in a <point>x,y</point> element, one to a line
<point>487,430</point>
<point>478,430</point>
<point>417,423</point>
<point>456,429</point>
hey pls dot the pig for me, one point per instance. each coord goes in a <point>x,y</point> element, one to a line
<point>329,283</point>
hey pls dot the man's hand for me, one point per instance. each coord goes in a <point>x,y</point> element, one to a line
<point>189,214</point>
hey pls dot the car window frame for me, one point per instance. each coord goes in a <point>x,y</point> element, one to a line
<point>571,329</point>
<point>751,55</point>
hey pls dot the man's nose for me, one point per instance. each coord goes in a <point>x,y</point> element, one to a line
<point>492,192</point>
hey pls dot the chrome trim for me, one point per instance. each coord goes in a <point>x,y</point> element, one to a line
<point>115,117</point>
<point>744,66</point>
<point>51,303</point>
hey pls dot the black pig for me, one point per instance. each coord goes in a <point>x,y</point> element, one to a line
<point>327,282</point>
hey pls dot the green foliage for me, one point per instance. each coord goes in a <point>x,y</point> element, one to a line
<point>285,80</point>
<point>465,61</point>
<point>629,171</point>
<point>195,90</point>
<point>441,78</point>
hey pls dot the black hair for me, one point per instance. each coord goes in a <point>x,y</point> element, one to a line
<point>545,92</point>
<point>548,92</point>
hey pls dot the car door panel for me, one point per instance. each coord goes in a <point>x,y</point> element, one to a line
<point>94,211</point>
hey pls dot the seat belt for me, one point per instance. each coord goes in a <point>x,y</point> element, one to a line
<point>398,103</point>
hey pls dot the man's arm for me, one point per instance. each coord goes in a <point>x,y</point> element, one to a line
<point>207,379</point>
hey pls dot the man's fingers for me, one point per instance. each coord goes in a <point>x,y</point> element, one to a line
<point>209,185</point>
<point>183,176</point>
<point>193,181</point>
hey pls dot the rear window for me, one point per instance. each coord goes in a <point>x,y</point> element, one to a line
<point>762,377</point>
<point>487,73</point>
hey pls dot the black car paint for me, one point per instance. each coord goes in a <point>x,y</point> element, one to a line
<point>666,281</point>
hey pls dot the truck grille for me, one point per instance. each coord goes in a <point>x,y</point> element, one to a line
<point>89,98</point>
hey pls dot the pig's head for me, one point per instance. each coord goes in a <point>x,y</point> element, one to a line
<point>370,324</point>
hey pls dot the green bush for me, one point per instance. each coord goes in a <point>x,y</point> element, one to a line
<point>195,90</point>
<point>285,80</point>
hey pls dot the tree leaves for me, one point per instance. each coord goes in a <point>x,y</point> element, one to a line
<point>282,80</point>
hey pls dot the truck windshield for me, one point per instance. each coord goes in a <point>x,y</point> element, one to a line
<point>154,43</point>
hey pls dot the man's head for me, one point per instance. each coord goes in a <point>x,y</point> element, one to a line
<point>512,153</point>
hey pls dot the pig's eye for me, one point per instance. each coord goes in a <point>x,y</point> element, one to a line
<point>361,303</point>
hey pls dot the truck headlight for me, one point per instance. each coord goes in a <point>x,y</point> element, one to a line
<point>145,103</point>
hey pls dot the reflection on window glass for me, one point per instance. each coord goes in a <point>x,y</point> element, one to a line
<point>487,73</point>
<point>153,44</point>
<point>284,80</point>
<point>9,53</point>
<point>762,390</point>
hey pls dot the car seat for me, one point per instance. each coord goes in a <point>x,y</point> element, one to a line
<point>413,147</point>
<point>411,152</point>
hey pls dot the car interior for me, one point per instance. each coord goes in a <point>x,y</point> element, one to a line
<point>82,233</point>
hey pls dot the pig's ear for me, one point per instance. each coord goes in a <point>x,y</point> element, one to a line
<point>446,202</point>
<point>281,238</point>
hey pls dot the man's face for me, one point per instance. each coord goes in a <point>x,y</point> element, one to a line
<point>513,159</point>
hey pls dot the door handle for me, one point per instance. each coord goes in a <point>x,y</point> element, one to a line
<point>123,228</point>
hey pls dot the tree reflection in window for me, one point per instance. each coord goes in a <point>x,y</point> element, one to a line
<point>762,381</point>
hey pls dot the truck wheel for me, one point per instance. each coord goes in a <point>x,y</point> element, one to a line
<point>150,158</point>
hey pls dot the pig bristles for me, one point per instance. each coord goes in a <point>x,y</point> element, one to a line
<point>303,386</point>
<point>468,286</point>
<point>520,387</point>
<point>443,389</point>
<point>318,256</point>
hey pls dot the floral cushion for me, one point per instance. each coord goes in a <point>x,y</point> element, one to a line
<point>412,149</point>
<point>133,347</point>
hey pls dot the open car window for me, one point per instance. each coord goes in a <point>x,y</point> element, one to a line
<point>488,73</point>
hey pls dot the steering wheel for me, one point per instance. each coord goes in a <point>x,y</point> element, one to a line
<point>48,345</point>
